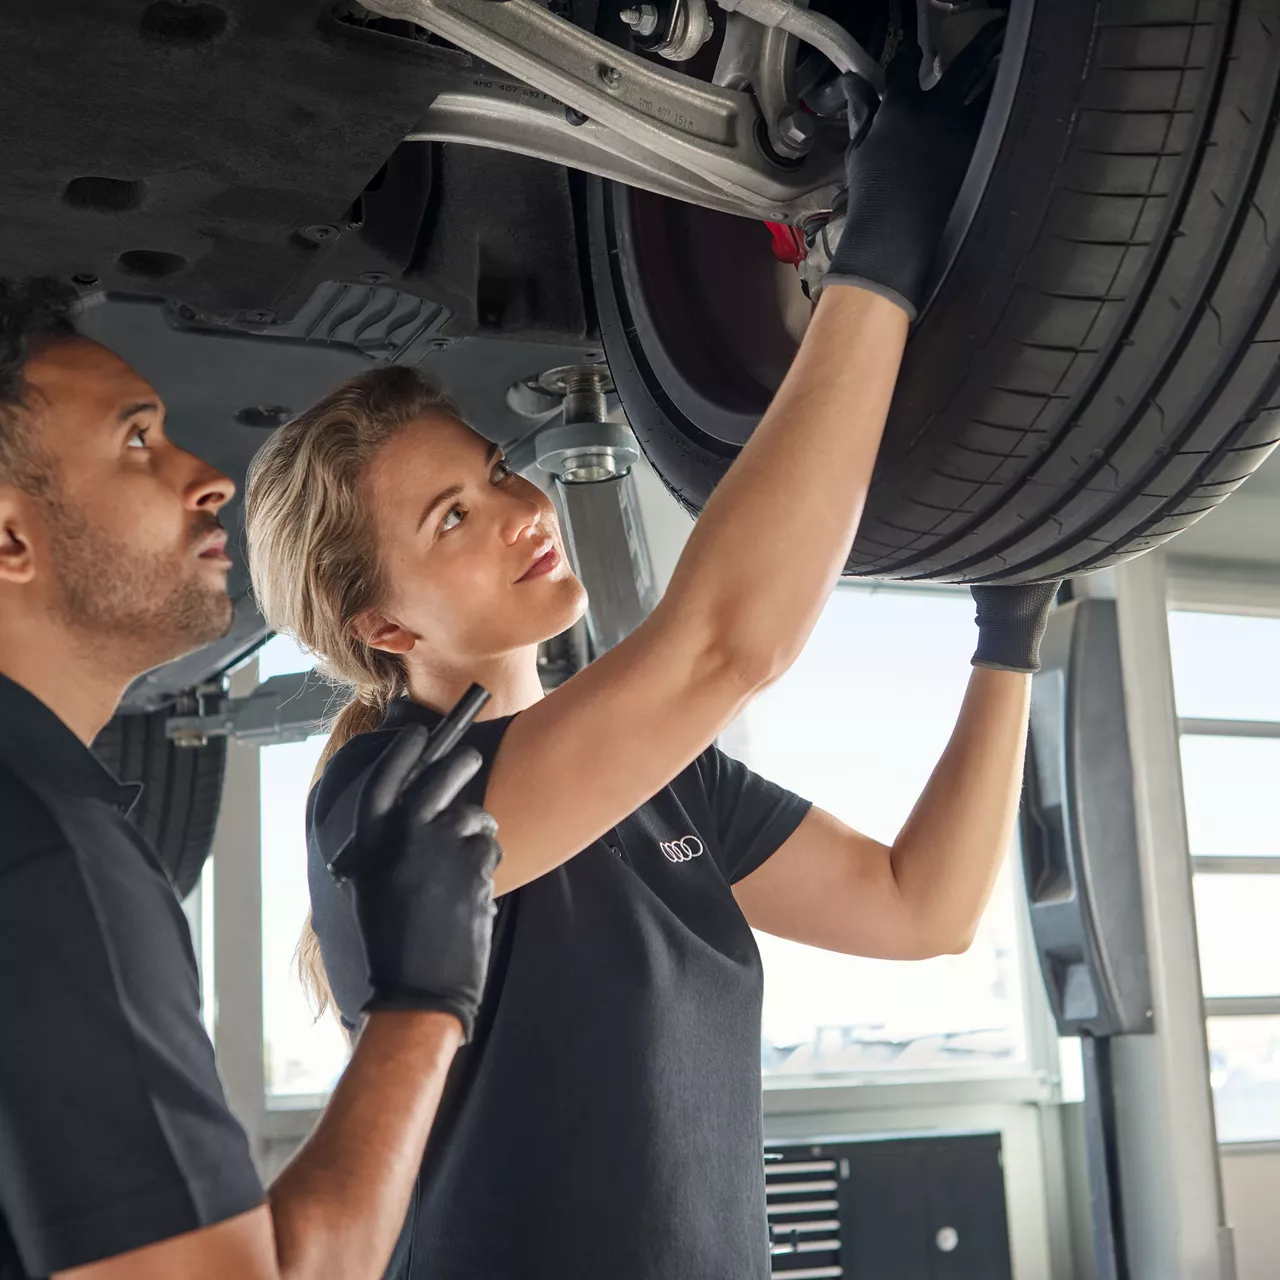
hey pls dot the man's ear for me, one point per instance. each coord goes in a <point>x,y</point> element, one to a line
<point>17,553</point>
<point>379,632</point>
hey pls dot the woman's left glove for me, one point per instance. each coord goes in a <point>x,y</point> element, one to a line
<point>1011,623</point>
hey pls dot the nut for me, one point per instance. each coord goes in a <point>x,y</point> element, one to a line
<point>796,130</point>
<point>643,19</point>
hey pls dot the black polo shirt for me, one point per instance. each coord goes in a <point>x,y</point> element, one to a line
<point>605,1121</point>
<point>114,1131</point>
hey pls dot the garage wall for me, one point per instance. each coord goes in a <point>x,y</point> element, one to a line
<point>1251,1181</point>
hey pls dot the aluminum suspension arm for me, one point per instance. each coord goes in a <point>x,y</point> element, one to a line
<point>645,125</point>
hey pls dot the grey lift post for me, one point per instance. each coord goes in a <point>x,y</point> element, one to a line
<point>1109,881</point>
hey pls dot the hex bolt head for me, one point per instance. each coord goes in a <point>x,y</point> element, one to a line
<point>797,129</point>
<point>611,76</point>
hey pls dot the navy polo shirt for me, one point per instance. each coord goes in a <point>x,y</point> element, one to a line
<point>114,1131</point>
<point>605,1121</point>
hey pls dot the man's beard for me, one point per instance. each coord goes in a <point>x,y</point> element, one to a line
<point>151,604</point>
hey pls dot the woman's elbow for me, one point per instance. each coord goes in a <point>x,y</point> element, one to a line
<point>748,667</point>
<point>935,938</point>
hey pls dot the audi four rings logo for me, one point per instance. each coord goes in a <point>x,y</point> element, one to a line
<point>683,850</point>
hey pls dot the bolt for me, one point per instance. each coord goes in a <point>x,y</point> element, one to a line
<point>374,277</point>
<point>260,316</point>
<point>584,396</point>
<point>796,129</point>
<point>643,19</point>
<point>611,76</point>
<point>574,116</point>
<point>85,279</point>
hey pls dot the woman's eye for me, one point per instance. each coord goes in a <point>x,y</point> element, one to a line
<point>501,471</point>
<point>139,434</point>
<point>452,519</point>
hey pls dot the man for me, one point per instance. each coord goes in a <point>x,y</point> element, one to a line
<point>118,1156</point>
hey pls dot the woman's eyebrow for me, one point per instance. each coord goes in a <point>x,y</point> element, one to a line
<point>447,496</point>
<point>495,452</point>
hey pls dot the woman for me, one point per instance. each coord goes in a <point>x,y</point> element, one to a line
<point>605,1120</point>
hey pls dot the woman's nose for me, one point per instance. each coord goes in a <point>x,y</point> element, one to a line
<point>521,519</point>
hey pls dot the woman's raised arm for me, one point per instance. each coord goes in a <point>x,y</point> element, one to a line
<point>745,595</point>
<point>772,539</point>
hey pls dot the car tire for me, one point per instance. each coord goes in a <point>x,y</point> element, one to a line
<point>1098,366</point>
<point>181,790</point>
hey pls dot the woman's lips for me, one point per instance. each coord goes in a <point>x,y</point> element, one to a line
<point>542,566</point>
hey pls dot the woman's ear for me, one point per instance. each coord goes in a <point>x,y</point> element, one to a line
<point>379,632</point>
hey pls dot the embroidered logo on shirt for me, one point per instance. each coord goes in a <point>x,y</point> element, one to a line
<point>683,850</point>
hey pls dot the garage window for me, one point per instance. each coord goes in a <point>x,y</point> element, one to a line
<point>857,726</point>
<point>1228,697</point>
<point>302,1055</point>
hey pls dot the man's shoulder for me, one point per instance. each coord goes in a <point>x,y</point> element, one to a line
<point>28,827</point>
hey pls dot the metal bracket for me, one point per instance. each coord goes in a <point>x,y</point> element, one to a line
<point>286,708</point>
<point>637,122</point>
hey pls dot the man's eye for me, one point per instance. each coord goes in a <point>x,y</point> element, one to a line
<point>452,519</point>
<point>139,434</point>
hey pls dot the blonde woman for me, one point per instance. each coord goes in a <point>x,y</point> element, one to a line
<point>605,1121</point>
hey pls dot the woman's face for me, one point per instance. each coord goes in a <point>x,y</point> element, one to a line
<point>471,552</point>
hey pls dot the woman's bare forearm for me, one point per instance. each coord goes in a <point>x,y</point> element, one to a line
<point>338,1207</point>
<point>947,856</point>
<point>774,536</point>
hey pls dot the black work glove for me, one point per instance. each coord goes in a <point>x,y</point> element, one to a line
<point>905,169</point>
<point>1011,623</point>
<point>420,867</point>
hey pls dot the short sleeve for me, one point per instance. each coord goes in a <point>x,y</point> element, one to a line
<point>114,1130</point>
<point>754,817</point>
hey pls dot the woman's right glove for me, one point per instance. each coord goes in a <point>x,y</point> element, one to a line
<point>905,173</point>
<point>421,868</point>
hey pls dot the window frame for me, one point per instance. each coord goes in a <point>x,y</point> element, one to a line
<point>1239,590</point>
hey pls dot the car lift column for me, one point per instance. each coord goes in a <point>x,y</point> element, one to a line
<point>1170,1175</point>
<point>1108,878</point>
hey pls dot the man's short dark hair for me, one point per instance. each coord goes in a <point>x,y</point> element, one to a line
<point>32,313</point>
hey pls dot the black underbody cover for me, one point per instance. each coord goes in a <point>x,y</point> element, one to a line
<point>218,155</point>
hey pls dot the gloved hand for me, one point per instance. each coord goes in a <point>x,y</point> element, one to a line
<point>905,170</point>
<point>1011,623</point>
<point>421,866</point>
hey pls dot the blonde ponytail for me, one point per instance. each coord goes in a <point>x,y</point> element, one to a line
<point>313,556</point>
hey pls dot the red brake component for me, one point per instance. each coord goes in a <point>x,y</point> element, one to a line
<point>788,243</point>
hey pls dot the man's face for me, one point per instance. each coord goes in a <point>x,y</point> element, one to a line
<point>131,543</point>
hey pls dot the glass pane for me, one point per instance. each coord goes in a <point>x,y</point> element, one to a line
<point>1233,802</point>
<point>1244,1070</point>
<point>302,1055</point>
<point>1224,666</point>
<point>282,655</point>
<point>857,726</point>
<point>1235,920</point>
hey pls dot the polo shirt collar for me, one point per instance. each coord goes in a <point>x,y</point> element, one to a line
<point>40,747</point>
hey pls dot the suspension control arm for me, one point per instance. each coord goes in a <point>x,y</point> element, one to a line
<point>689,139</point>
